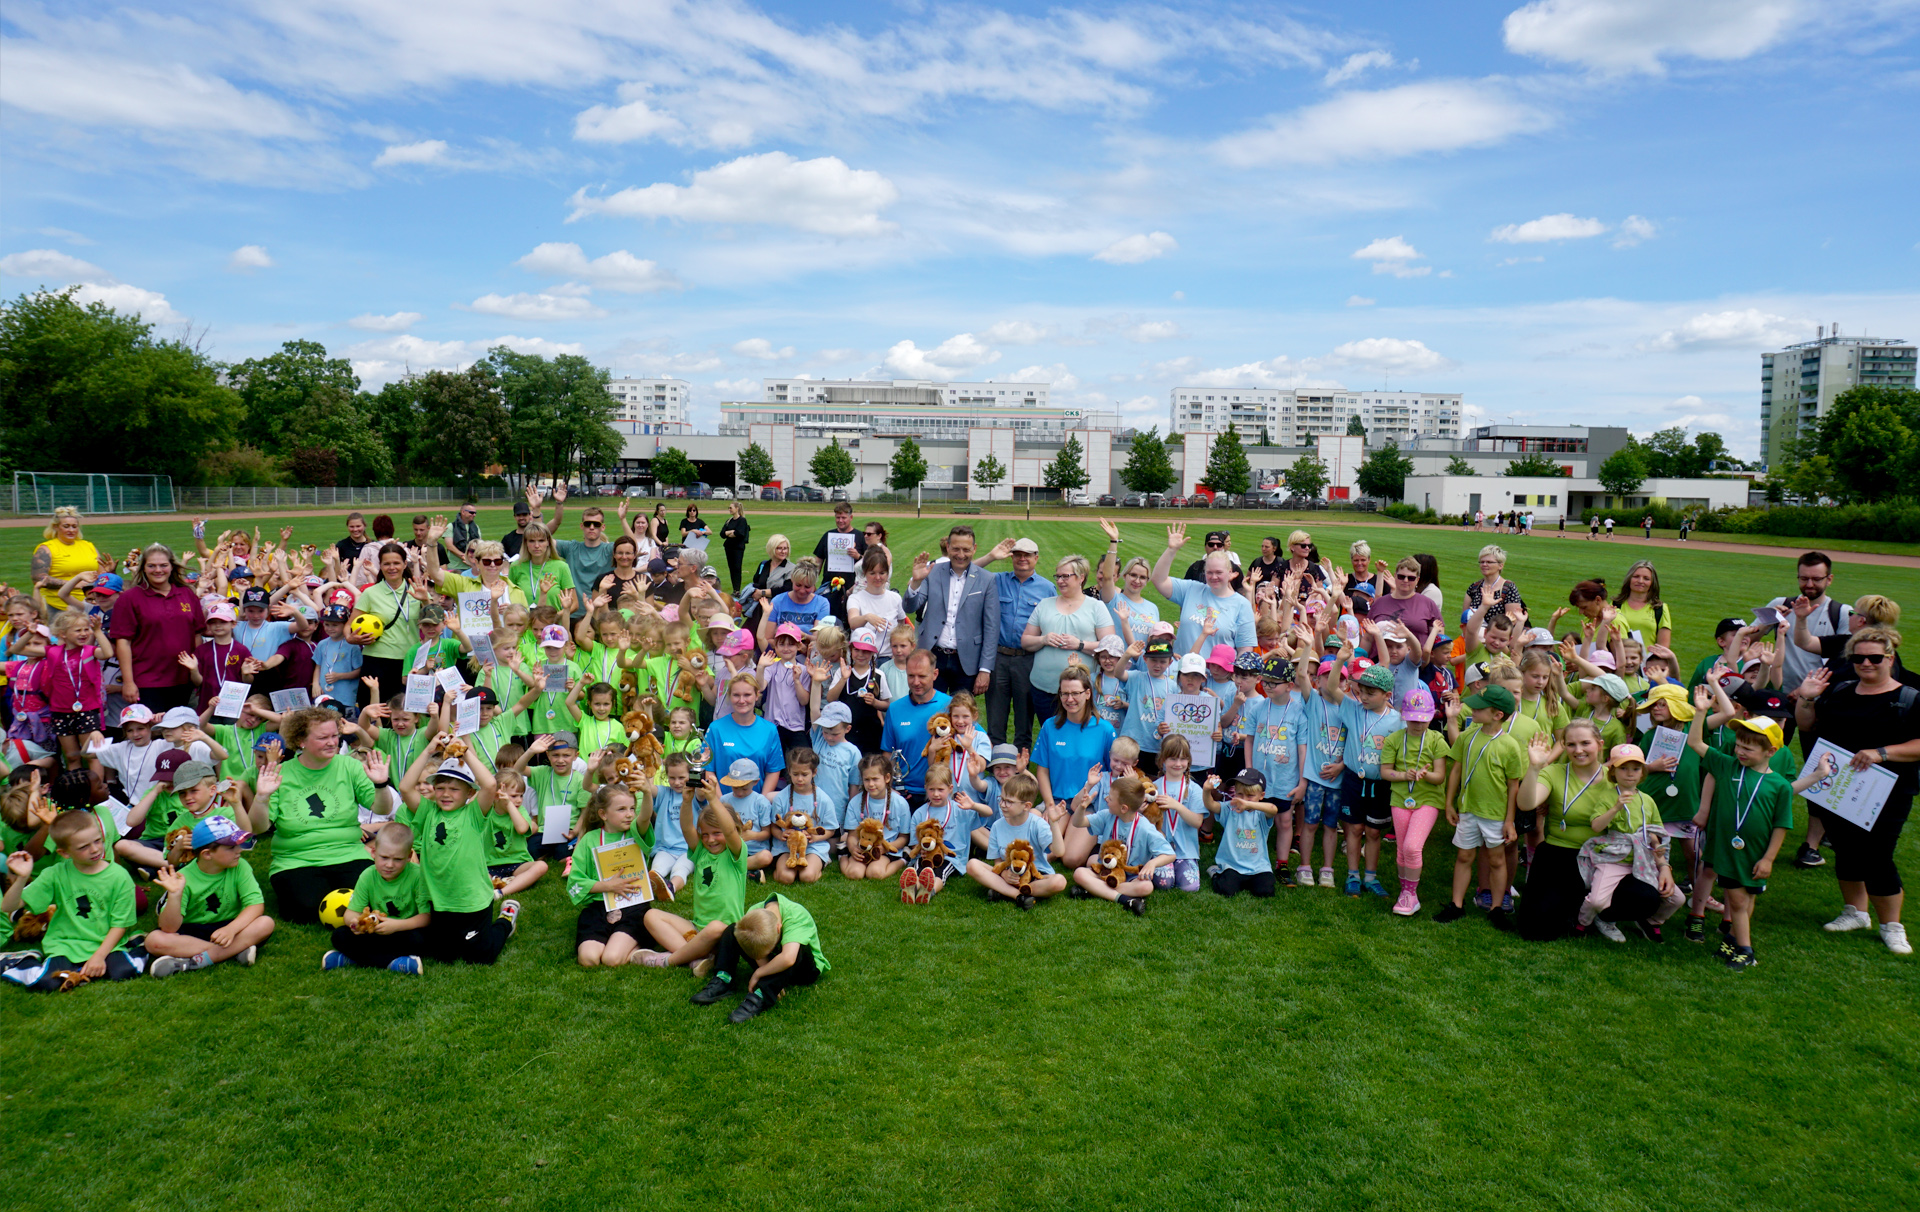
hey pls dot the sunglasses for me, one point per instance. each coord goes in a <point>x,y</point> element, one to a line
<point>493,563</point>
<point>1214,545</point>
<point>1406,576</point>
<point>595,525</point>
<point>1867,658</point>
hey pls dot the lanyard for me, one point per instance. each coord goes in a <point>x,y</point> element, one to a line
<point>73,672</point>
<point>1114,834</point>
<point>1473,762</point>
<point>1420,755</point>
<point>219,663</point>
<point>1566,780</point>
<point>1740,814</point>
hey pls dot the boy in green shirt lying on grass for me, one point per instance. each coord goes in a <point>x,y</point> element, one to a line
<point>780,937</point>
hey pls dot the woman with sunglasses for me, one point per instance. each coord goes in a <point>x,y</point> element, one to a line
<point>1878,716</point>
<point>489,560</point>
<point>1300,558</point>
<point>1404,602</point>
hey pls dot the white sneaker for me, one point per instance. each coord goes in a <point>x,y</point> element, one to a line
<point>1326,877</point>
<point>1304,877</point>
<point>1894,935</point>
<point>1610,932</point>
<point>1850,919</point>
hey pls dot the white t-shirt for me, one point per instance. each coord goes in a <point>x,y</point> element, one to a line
<point>886,604</point>
<point>134,766</point>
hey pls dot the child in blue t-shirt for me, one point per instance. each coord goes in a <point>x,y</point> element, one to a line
<point>1183,805</point>
<point>1245,816</point>
<point>876,800</point>
<point>802,795</point>
<point>839,770</point>
<point>1147,693</point>
<point>754,811</point>
<point>1017,823</point>
<point>1275,745</point>
<point>1366,805</point>
<point>987,786</point>
<point>336,663</point>
<point>1146,848</point>
<point>1325,733</point>
<point>671,862</point>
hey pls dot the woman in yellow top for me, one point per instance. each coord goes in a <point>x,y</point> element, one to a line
<point>62,557</point>
<point>1640,608</point>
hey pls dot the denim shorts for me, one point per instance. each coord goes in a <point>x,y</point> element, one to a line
<point>1322,805</point>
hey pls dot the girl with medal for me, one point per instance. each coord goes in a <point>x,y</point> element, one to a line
<point>73,685</point>
<point>1673,783</point>
<point>1569,795</point>
<point>1543,692</point>
<point>1414,762</point>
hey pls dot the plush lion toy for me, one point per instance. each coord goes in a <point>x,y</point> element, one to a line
<point>940,748</point>
<point>179,847</point>
<point>797,831</point>
<point>869,843</point>
<point>686,686</point>
<point>1017,868</point>
<point>70,980</point>
<point>369,921</point>
<point>29,927</point>
<point>930,843</point>
<point>453,747</point>
<point>648,754</point>
<point>647,715</point>
<point>1155,812</point>
<point>1110,864</point>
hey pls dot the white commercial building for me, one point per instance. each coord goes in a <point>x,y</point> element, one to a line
<point>1798,384</point>
<point>1296,416</point>
<point>1551,498</point>
<point>651,405</point>
<point>921,408</point>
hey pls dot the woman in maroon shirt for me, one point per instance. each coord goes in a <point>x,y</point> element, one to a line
<point>155,621</point>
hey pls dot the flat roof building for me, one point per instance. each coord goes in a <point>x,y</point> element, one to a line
<point>1798,384</point>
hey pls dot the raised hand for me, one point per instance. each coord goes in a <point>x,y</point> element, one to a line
<point>1110,530</point>
<point>1176,536</point>
<point>437,527</point>
<point>171,880</point>
<point>560,493</point>
<point>377,767</point>
<point>266,780</point>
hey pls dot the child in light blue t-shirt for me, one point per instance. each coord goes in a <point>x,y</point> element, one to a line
<point>755,812</point>
<point>1018,823</point>
<point>1366,802</point>
<point>1245,817</point>
<point>1276,746</point>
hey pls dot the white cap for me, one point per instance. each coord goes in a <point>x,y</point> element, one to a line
<point>1193,662</point>
<point>179,717</point>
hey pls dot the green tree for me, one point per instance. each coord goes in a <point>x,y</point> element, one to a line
<point>394,415</point>
<point>292,392</point>
<point>1812,478</point>
<point>1307,477</point>
<point>988,473</point>
<point>467,420</point>
<point>908,470</point>
<point>1873,454</point>
<point>1457,466</point>
<point>1148,468</point>
<point>672,466</point>
<point>1622,473</point>
<point>89,389</point>
<point>560,412</point>
<point>1385,472</point>
<point>831,465</point>
<point>755,465</point>
<point>334,422</point>
<point>1534,464</point>
<point>1174,438</point>
<point>1265,438</point>
<point>1069,467</point>
<point>1356,428</point>
<point>1227,466</point>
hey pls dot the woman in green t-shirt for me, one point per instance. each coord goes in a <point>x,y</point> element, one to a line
<point>397,605</point>
<point>1640,608</point>
<point>1569,794</point>
<point>541,574</point>
<point>311,804</point>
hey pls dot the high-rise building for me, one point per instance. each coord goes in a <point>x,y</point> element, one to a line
<point>919,407</point>
<point>1296,416</point>
<point>1798,384</point>
<point>651,402</point>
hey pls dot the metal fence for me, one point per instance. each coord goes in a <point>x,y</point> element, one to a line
<point>190,499</point>
<point>93,493</point>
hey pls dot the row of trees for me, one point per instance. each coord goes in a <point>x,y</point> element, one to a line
<point>1864,450</point>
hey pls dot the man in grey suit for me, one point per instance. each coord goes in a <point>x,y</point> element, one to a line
<point>962,614</point>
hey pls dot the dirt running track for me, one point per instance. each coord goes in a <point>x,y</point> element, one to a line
<point>1623,538</point>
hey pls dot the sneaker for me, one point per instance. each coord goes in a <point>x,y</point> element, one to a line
<point>1025,901</point>
<point>1449,912</point>
<point>760,876</point>
<point>1136,905</point>
<point>15,959</point>
<point>332,960</point>
<point>751,1006</point>
<point>407,965</point>
<point>1483,898</point>
<point>511,911</point>
<point>1213,869</point>
<point>712,991</point>
<point>1610,932</point>
<point>992,896</point>
<point>909,887</point>
<point>1696,929</point>
<point>1500,919</point>
<point>653,959</point>
<point>1353,883</point>
<point>1714,906</point>
<point>1894,935</point>
<point>1807,856</point>
<point>1304,877</point>
<point>1506,901</point>
<point>1650,932</point>
<point>1284,876</point>
<point>1741,958</point>
<point>1326,877</point>
<point>927,880</point>
<point>167,965</point>
<point>1373,886</point>
<point>1077,892</point>
<point>1850,919</point>
<point>1408,904</point>
<point>245,958</point>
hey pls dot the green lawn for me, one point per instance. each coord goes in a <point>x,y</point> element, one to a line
<point>1306,1052</point>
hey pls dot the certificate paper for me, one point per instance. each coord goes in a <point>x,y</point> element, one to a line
<point>419,693</point>
<point>1856,795</point>
<point>623,860</point>
<point>233,696</point>
<point>1195,716</point>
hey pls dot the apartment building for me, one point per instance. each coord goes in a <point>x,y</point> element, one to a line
<point>1798,384</point>
<point>1297,416</point>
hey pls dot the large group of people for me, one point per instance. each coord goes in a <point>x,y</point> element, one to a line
<point>426,729</point>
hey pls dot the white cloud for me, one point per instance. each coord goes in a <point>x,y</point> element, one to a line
<point>1748,328</point>
<point>535,345</point>
<point>51,265</point>
<point>834,356</point>
<point>405,351</point>
<point>1547,228</point>
<point>956,353</point>
<point>1016,332</point>
<point>249,257</point>
<point>1393,255</point>
<point>1179,295</point>
<point>823,195</point>
<point>1274,372</point>
<point>563,304</point>
<point>1143,406</point>
<point>675,364</point>
<point>1505,261</point>
<point>61,233</point>
<point>427,151</point>
<point>620,270</point>
<point>1687,402</point>
<point>1360,301</point>
<point>1435,116</point>
<point>1633,230</point>
<point>1390,354</point>
<point>1638,35</point>
<point>761,350</point>
<point>625,123</point>
<point>117,90</point>
<point>1152,330</point>
<point>1056,375</point>
<point>152,306</point>
<point>399,321</point>
<point>1137,248</point>
<point>1357,63</point>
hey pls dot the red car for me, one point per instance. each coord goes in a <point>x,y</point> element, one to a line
<point>1177,502</point>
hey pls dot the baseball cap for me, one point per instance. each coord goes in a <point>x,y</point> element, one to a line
<point>222,611</point>
<point>1762,702</point>
<point>1476,672</point>
<point>191,772</point>
<point>1762,727</point>
<point>487,697</point>
<point>1604,659</point>
<point>1325,667</point>
<point>261,742</point>
<point>454,768</point>
<point>1221,655</point>
<point>1377,678</point>
<point>521,509</point>
<point>1162,627</point>
<point>136,713</point>
<point>657,567</point>
<point>563,740</point>
<point>1417,706</point>
<point>1537,637</point>
<point>327,701</point>
<point>1193,662</point>
<point>791,631</point>
<point>1277,667</point>
<point>1160,646</point>
<point>1725,625</point>
<point>738,642</point>
<point>553,635</point>
<point>1251,779</point>
<point>179,717</point>
<point>743,773</point>
<point>433,612</point>
<point>335,613</point>
<point>1674,697</point>
<point>254,597</point>
<point>108,582</point>
<point>1497,697</point>
<point>833,715</point>
<point>1217,536</point>
<point>220,831</point>
<point>1356,667</point>
<point>1004,755</point>
<point>1611,683</point>
<point>867,638</point>
<point>670,614</point>
<point>1248,662</point>
<point>1026,547</point>
<point>240,572</point>
<point>1626,753</point>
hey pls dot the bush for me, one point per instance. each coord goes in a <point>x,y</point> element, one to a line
<point>240,467</point>
<point>1412,513</point>
<point>1886,522</point>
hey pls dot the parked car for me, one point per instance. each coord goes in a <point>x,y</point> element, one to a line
<point>1135,500</point>
<point>1076,497</point>
<point>1266,498</point>
<point>1176,501</point>
<point>1368,504</point>
<point>814,494</point>
<point>675,490</point>
<point>1226,500</point>
<point>769,494</point>
<point>796,493</point>
<point>1156,500</point>
<point>722,494</point>
<point>839,494</point>
<point>1199,501</point>
<point>1107,501</point>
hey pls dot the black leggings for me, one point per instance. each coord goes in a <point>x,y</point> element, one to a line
<point>299,890</point>
<point>1227,882</point>
<point>1553,894</point>
<point>379,950</point>
<point>120,967</point>
<point>727,958</point>
<point>1864,857</point>
<point>475,938</point>
<point>733,565</point>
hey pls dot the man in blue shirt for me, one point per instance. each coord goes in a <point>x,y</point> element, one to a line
<point>1020,592</point>
<point>1202,601</point>
<point>905,733</point>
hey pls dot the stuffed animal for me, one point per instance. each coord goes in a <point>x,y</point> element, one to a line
<point>1017,868</point>
<point>453,747</point>
<point>179,847</point>
<point>627,769</point>
<point>369,920</point>
<point>796,830</point>
<point>1154,811</point>
<point>686,686</point>
<point>940,748</point>
<point>652,716</point>
<point>29,927</point>
<point>70,979</point>
<point>1110,864</point>
<point>869,843</point>
<point>637,721</point>
<point>930,843</point>
<point>649,754</point>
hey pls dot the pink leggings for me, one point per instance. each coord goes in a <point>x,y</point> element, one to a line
<point>1410,829</point>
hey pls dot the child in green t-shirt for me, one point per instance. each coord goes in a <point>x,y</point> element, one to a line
<point>1484,770</point>
<point>563,780</point>
<point>449,788</point>
<point>604,937</point>
<point>715,894</point>
<point>92,902</point>
<point>512,868</point>
<point>780,938</point>
<point>214,910</point>
<point>388,915</point>
<point>396,732</point>
<point>598,728</point>
<point>1414,762</point>
<point>1628,839</point>
<point>440,646</point>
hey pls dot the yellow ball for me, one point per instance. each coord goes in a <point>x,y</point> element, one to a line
<point>333,906</point>
<point>366,628</point>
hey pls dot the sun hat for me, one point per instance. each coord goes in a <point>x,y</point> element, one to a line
<point>1611,683</point>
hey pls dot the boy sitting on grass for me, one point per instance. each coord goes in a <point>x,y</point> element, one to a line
<point>214,910</point>
<point>1147,847</point>
<point>92,902</point>
<point>1017,823</point>
<point>394,892</point>
<point>780,937</point>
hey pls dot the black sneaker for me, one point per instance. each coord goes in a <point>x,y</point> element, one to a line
<point>1741,958</point>
<point>1500,919</point>
<point>712,991</point>
<point>1696,929</point>
<point>1650,932</point>
<point>1449,912</point>
<point>1284,877</point>
<point>1024,901</point>
<point>1136,905</point>
<point>1078,893</point>
<point>992,896</point>
<point>753,1004</point>
<point>1807,856</point>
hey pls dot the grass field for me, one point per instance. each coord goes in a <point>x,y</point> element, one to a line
<point>1306,1052</point>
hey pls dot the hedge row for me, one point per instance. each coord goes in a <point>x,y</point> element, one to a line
<point>1886,522</point>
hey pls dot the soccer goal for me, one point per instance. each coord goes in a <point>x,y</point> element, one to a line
<point>41,492</point>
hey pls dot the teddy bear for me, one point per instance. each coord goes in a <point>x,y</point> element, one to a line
<point>179,847</point>
<point>369,920</point>
<point>796,829</point>
<point>940,748</point>
<point>453,747</point>
<point>647,715</point>
<point>1110,865</point>
<point>687,685</point>
<point>29,927</point>
<point>1017,868</point>
<point>930,843</point>
<point>869,843</point>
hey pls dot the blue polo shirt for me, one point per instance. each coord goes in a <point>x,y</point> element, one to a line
<point>905,733</point>
<point>758,742</point>
<point>1068,751</point>
<point>1017,600</point>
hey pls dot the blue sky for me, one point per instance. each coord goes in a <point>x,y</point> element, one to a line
<point>1567,210</point>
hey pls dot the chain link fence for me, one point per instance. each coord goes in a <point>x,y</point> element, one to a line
<point>38,493</point>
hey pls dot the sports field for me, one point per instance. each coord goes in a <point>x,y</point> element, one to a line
<point>1305,1052</point>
